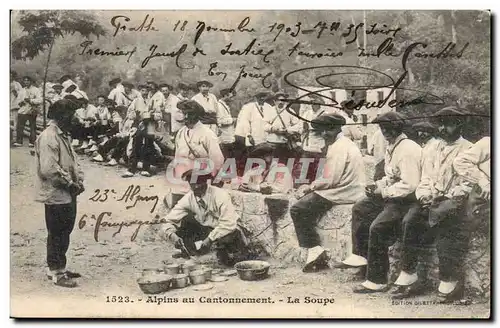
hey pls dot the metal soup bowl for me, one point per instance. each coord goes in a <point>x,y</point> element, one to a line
<point>180,280</point>
<point>197,277</point>
<point>252,270</point>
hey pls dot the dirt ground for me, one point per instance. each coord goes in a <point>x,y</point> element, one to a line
<point>111,265</point>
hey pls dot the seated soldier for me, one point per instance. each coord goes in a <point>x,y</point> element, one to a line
<point>377,217</point>
<point>438,210</point>
<point>205,214</point>
<point>340,180</point>
<point>116,146</point>
<point>274,178</point>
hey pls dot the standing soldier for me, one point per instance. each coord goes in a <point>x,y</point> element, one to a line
<point>209,103</point>
<point>29,107</point>
<point>225,124</point>
<point>59,183</point>
<point>282,128</point>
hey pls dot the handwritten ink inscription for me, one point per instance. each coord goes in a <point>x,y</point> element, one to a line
<point>132,195</point>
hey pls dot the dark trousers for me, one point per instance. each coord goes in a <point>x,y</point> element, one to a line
<point>80,132</point>
<point>379,171</point>
<point>60,220</point>
<point>227,150</point>
<point>417,238</point>
<point>191,231</point>
<point>452,238</point>
<point>116,147</point>
<point>375,226</point>
<point>21,122</point>
<point>142,150</point>
<point>305,218</point>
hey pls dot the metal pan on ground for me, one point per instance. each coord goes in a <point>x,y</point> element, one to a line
<point>252,270</point>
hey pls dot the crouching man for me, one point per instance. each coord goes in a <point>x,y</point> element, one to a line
<point>203,218</point>
<point>342,182</point>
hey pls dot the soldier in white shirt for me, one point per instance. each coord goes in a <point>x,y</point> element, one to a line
<point>313,144</point>
<point>438,193</point>
<point>340,180</point>
<point>249,131</point>
<point>376,218</point>
<point>195,141</point>
<point>206,217</point>
<point>283,129</point>
<point>225,123</point>
<point>15,91</point>
<point>117,93</point>
<point>209,102</point>
<point>30,100</point>
<point>171,114</point>
<point>86,127</point>
<point>352,129</point>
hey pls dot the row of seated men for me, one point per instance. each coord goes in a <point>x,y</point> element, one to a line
<point>435,192</point>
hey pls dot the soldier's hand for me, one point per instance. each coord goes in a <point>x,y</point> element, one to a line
<point>485,192</point>
<point>176,240</point>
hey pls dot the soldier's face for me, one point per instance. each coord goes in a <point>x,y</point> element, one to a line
<point>165,91</point>
<point>26,82</point>
<point>100,101</point>
<point>144,92</point>
<point>204,88</point>
<point>450,129</point>
<point>199,189</point>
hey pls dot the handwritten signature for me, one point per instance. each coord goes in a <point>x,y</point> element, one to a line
<point>331,77</point>
<point>101,223</point>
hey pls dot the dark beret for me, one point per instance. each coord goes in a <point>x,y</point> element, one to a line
<point>64,78</point>
<point>279,95</point>
<point>327,122</point>
<point>424,126</point>
<point>128,85</point>
<point>204,82</point>
<point>115,81</point>
<point>28,77</point>
<point>57,87</point>
<point>450,113</point>
<point>63,107</point>
<point>394,119</point>
<point>142,86</point>
<point>225,92</point>
<point>200,178</point>
<point>102,96</point>
<point>182,86</point>
<point>262,93</point>
<point>191,106</point>
<point>163,85</point>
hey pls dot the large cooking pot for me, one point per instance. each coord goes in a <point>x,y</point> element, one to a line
<point>155,284</point>
<point>252,270</point>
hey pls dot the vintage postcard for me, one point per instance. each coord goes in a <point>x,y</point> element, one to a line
<point>250,164</point>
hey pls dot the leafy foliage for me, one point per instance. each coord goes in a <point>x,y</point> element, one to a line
<point>44,26</point>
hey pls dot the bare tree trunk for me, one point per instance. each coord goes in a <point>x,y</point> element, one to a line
<point>453,30</point>
<point>45,82</point>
